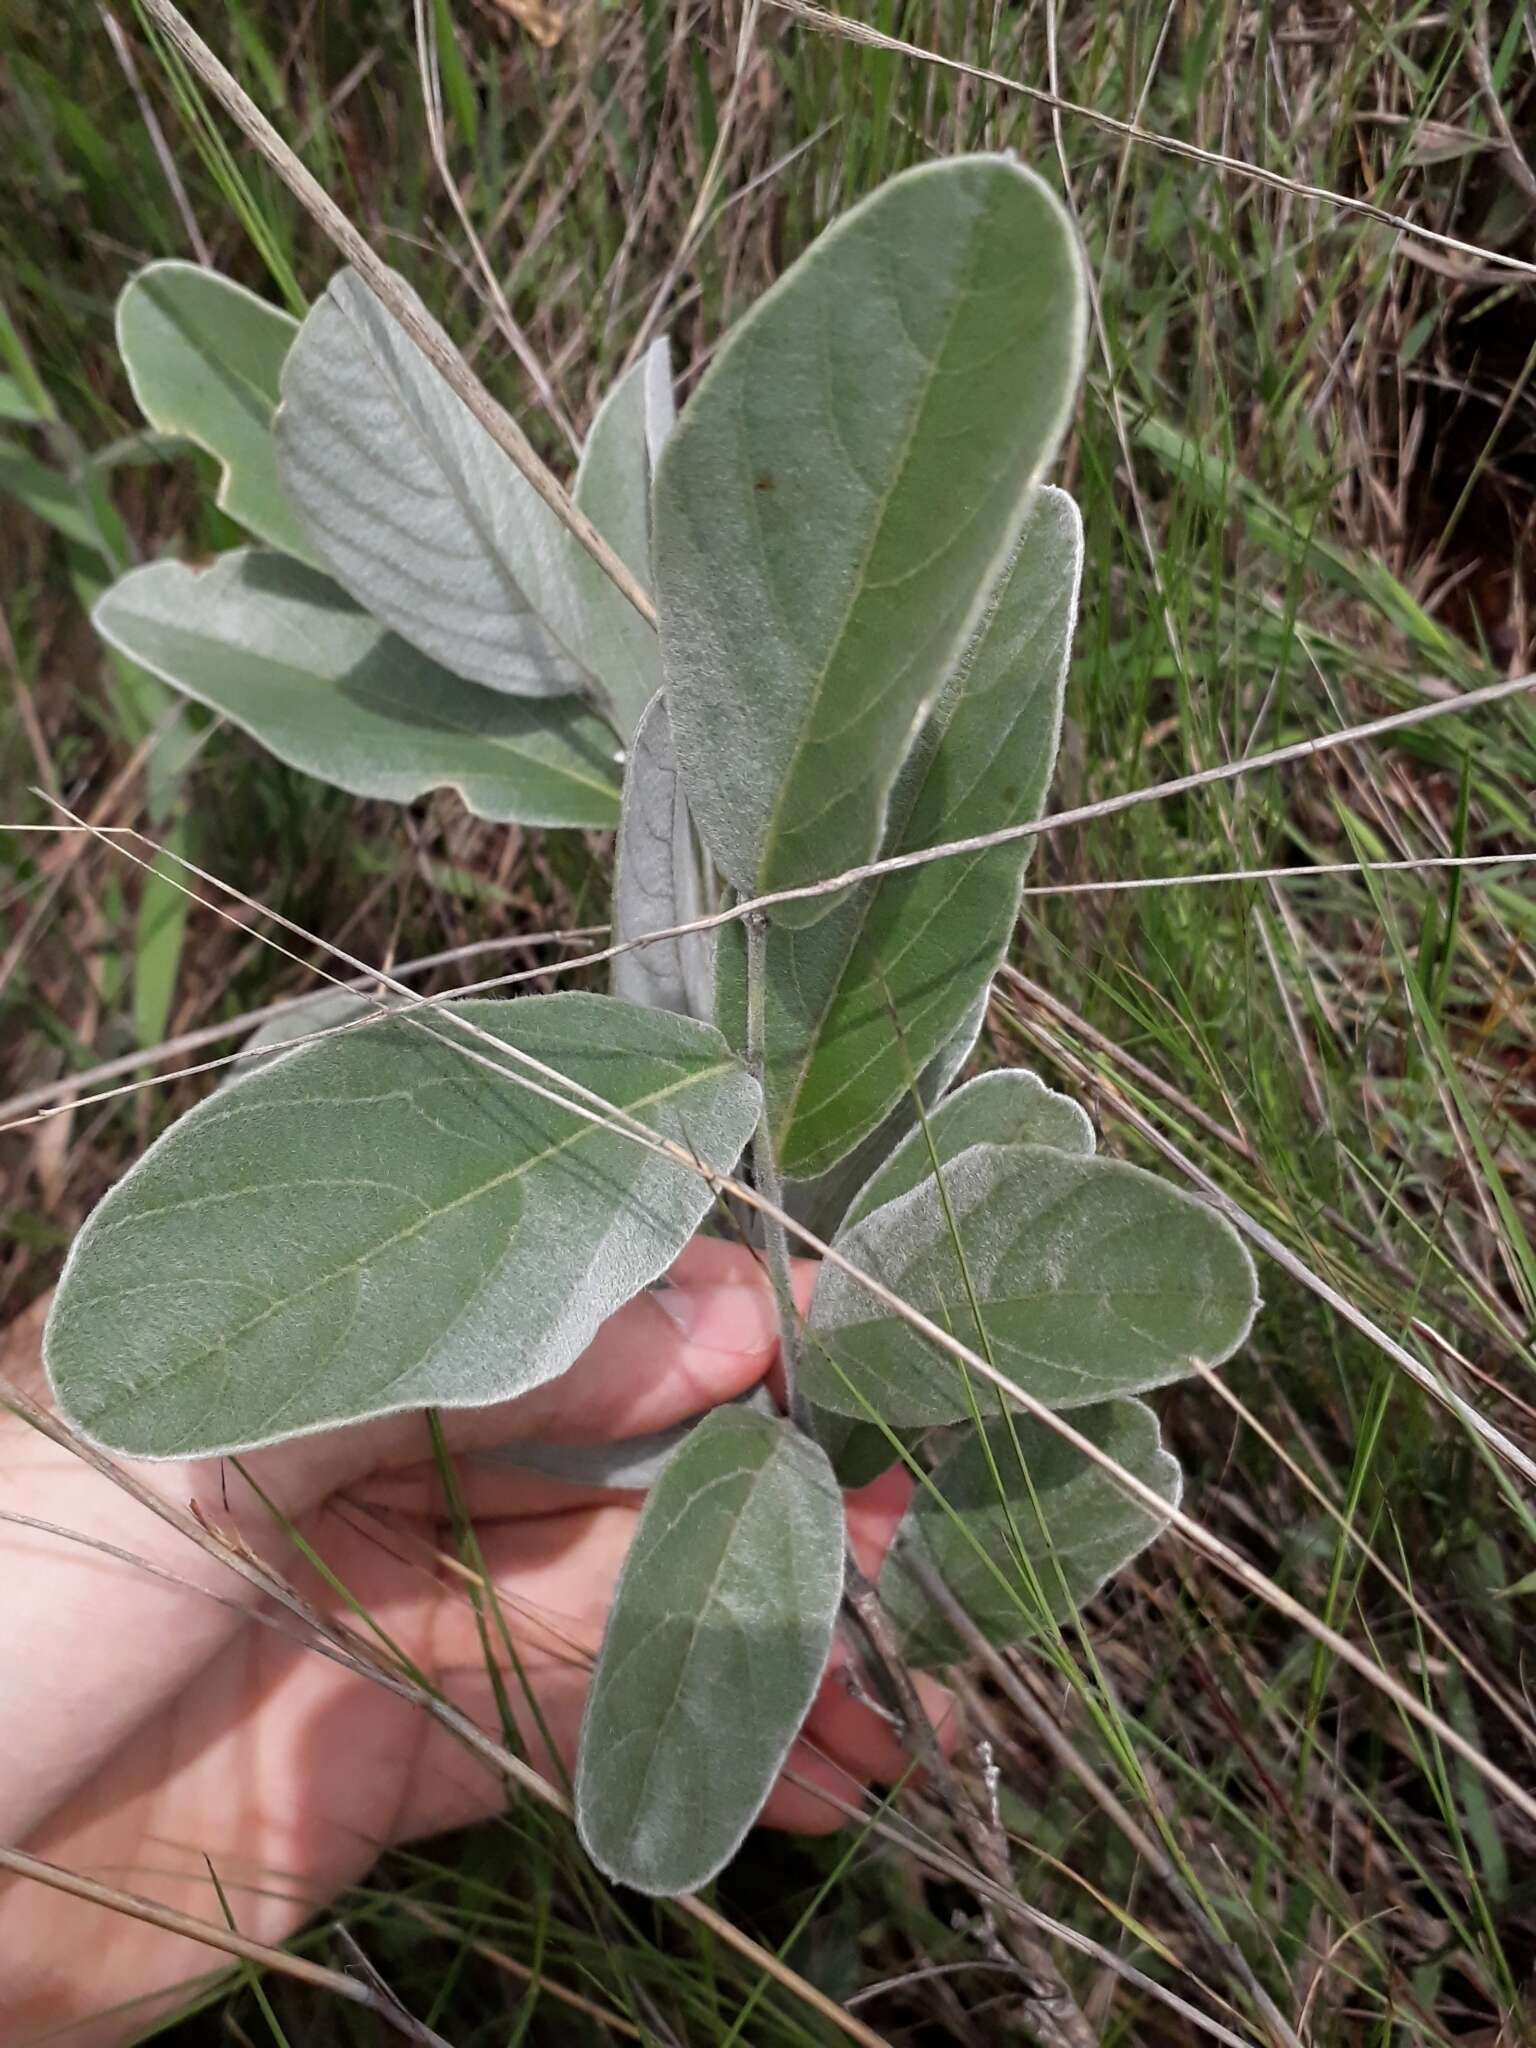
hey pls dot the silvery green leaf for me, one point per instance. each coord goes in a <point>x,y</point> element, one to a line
<point>414,508</point>
<point>379,1222</point>
<point>720,1631</point>
<point>887,980</point>
<point>1011,1106</point>
<point>861,1450</point>
<point>949,1061</point>
<point>1092,1277</point>
<point>631,1462</point>
<point>838,498</point>
<point>327,1010</point>
<point>1086,1528</point>
<point>613,488</point>
<point>286,655</point>
<point>204,356</point>
<point>822,1203</point>
<point>658,881</point>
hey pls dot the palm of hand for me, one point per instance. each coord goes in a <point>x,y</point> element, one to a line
<point>284,1774</point>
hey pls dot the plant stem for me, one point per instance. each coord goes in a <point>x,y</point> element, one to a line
<point>1053,1738</point>
<point>765,1169</point>
<point>1048,2010</point>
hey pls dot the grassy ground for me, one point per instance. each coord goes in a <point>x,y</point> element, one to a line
<point>1306,459</point>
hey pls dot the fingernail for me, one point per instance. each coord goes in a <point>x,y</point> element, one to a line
<point>726,1318</point>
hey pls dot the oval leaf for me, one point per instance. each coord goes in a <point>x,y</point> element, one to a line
<point>613,488</point>
<point>286,655</point>
<point>1055,1510</point>
<point>1009,1107</point>
<point>878,987</point>
<point>838,498</point>
<point>861,1450</point>
<point>378,1222</point>
<point>1092,1279</point>
<point>821,1204</point>
<point>204,357</point>
<point>415,509</point>
<point>720,1631</point>
<point>658,881</point>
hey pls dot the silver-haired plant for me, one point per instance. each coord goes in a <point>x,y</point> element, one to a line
<point>866,597</point>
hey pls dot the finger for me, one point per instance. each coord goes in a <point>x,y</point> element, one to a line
<point>845,1720</point>
<point>556,1578</point>
<point>674,1351</point>
<point>814,1794</point>
<point>509,1489</point>
<point>875,1513</point>
<point>847,1724</point>
<point>554,1581</point>
<point>490,1494</point>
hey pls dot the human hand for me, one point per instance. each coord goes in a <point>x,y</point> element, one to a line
<point>149,1731</point>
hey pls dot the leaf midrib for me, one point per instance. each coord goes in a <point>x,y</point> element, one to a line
<point>230,1338</point>
<point>459,486</point>
<point>754,1475</point>
<point>919,407</point>
<point>491,740</point>
<point>958,872</point>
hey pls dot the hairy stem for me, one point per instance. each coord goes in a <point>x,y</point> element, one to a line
<point>765,1168</point>
<point>1048,2010</point>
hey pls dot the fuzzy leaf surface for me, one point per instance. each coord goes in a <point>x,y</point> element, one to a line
<point>658,880</point>
<point>838,498</point>
<point>1011,1106</point>
<point>204,357</point>
<point>613,488</point>
<point>413,507</point>
<point>861,1450</point>
<point>287,655</point>
<point>884,982</point>
<point>822,1202</point>
<point>1092,1277</point>
<point>1086,1529</point>
<point>377,1222</point>
<point>719,1634</point>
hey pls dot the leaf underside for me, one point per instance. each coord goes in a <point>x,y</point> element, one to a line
<point>658,881</point>
<point>204,357</point>
<point>718,1637</point>
<point>415,509</point>
<point>630,1463</point>
<point>613,488</point>
<point>286,655</point>
<point>377,1222</point>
